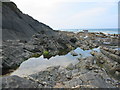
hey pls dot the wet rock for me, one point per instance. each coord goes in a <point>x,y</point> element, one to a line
<point>74,53</point>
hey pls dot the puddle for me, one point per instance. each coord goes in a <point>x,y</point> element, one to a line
<point>117,49</point>
<point>34,65</point>
<point>106,42</point>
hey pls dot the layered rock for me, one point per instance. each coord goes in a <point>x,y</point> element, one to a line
<point>16,25</point>
<point>109,60</point>
<point>25,37</point>
<point>84,74</point>
<point>17,82</point>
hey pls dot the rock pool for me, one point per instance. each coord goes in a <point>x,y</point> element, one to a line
<point>34,65</point>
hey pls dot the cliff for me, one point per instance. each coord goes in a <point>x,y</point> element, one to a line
<point>17,25</point>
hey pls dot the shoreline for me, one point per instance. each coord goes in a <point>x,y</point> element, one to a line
<point>76,36</point>
<point>23,38</point>
<point>75,76</point>
<point>85,43</point>
<point>109,31</point>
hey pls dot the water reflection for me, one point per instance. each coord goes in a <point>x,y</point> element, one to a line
<point>34,65</point>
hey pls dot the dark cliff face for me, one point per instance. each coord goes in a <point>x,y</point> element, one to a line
<point>17,25</point>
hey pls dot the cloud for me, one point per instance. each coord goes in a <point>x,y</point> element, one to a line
<point>37,8</point>
<point>94,17</point>
<point>68,13</point>
<point>90,12</point>
<point>59,1</point>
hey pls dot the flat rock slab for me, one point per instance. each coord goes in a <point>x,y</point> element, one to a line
<point>17,82</point>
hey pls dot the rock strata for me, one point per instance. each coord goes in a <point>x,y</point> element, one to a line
<point>25,37</point>
<point>109,61</point>
<point>80,76</point>
<point>17,82</point>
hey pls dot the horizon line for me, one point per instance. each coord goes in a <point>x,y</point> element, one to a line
<point>85,28</point>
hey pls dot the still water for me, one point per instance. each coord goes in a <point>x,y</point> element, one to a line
<point>34,65</point>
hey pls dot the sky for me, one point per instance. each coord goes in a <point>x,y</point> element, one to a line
<point>72,14</point>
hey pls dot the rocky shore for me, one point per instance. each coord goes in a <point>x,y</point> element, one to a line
<point>14,52</point>
<point>98,71</point>
<point>101,70</point>
<point>87,73</point>
<point>24,37</point>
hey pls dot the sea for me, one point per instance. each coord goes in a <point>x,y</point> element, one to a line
<point>106,31</point>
